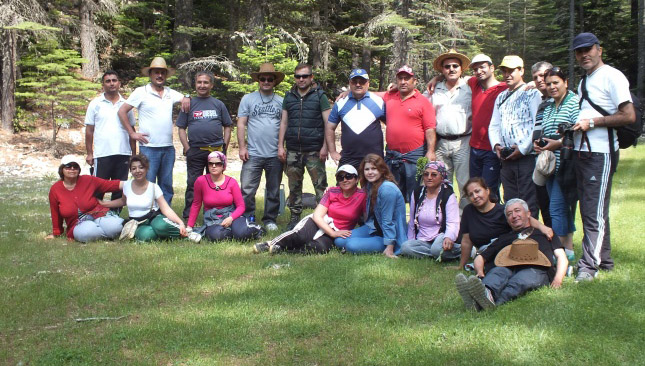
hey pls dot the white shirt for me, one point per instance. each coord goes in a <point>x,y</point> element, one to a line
<point>608,88</point>
<point>513,119</point>
<point>155,113</point>
<point>110,138</point>
<point>453,109</point>
<point>139,204</point>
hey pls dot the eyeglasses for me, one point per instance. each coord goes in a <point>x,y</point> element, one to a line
<point>216,163</point>
<point>301,76</point>
<point>268,80</point>
<point>358,81</point>
<point>349,176</point>
<point>451,66</point>
<point>433,174</point>
<point>405,77</point>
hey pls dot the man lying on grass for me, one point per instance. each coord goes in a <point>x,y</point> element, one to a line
<point>514,264</point>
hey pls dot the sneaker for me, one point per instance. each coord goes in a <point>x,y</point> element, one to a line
<point>480,293</point>
<point>271,226</point>
<point>295,219</point>
<point>275,249</point>
<point>584,277</point>
<point>461,282</point>
<point>195,237</point>
<point>261,247</point>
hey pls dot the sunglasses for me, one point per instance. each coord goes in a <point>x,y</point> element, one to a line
<point>263,79</point>
<point>433,174</point>
<point>358,81</point>
<point>555,71</point>
<point>72,166</point>
<point>216,163</point>
<point>341,177</point>
<point>451,66</point>
<point>301,76</point>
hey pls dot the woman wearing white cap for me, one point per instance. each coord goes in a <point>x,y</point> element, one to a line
<point>337,213</point>
<point>73,199</point>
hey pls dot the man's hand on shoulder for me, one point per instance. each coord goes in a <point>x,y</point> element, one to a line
<point>185,105</point>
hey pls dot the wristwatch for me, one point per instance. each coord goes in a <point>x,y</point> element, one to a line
<point>591,123</point>
<point>187,96</point>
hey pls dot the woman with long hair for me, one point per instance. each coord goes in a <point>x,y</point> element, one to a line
<point>385,228</point>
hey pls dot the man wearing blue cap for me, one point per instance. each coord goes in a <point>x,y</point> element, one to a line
<point>360,113</point>
<point>605,101</point>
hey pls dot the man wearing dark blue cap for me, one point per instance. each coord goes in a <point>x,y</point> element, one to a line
<point>605,102</point>
<point>360,113</point>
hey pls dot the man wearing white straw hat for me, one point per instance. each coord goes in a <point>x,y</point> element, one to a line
<point>514,264</point>
<point>154,103</point>
<point>260,112</point>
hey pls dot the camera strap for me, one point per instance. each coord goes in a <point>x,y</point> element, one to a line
<point>599,109</point>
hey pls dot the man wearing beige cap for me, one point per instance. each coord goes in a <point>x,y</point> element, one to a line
<point>260,112</point>
<point>511,132</point>
<point>154,103</point>
<point>452,103</point>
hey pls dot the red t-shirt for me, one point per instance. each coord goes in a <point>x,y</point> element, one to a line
<point>482,106</point>
<point>205,191</point>
<point>344,211</point>
<point>407,121</point>
<point>65,204</point>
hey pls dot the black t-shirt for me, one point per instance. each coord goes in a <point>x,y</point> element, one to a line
<point>483,227</point>
<point>545,246</point>
<point>205,121</point>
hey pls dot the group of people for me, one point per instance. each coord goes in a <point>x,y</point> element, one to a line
<point>483,132</point>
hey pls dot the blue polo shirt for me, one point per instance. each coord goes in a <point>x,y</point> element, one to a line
<point>361,128</point>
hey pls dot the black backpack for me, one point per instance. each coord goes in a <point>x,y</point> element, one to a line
<point>442,199</point>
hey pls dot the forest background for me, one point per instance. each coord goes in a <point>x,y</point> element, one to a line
<point>53,52</point>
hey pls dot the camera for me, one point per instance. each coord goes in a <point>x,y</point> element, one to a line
<point>541,142</point>
<point>506,152</point>
<point>566,130</point>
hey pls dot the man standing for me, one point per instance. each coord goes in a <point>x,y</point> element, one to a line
<point>261,112</point>
<point>410,132</point>
<point>452,102</point>
<point>304,114</point>
<point>511,132</point>
<point>106,141</point>
<point>154,103</point>
<point>485,88</point>
<point>608,89</point>
<point>361,113</point>
<point>209,129</point>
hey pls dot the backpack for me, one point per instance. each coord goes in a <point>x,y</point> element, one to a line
<point>442,199</point>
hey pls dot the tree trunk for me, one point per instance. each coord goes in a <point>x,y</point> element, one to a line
<point>182,42</point>
<point>8,59</point>
<point>382,73</point>
<point>572,34</point>
<point>231,51</point>
<point>366,60</point>
<point>401,40</point>
<point>640,78</point>
<point>90,69</point>
<point>316,41</point>
<point>257,13</point>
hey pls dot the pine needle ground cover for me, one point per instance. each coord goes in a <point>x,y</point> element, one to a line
<point>178,303</point>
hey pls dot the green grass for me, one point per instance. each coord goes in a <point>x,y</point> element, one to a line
<point>218,304</point>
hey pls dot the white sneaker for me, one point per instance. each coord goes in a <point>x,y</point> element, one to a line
<point>271,226</point>
<point>195,237</point>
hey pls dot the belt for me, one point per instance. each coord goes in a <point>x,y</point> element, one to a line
<point>212,148</point>
<point>453,137</point>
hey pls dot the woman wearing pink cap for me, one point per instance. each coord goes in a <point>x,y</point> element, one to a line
<point>223,204</point>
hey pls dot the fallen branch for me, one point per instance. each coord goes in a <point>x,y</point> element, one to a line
<point>100,318</point>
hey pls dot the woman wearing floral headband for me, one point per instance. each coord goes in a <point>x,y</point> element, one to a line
<point>434,217</point>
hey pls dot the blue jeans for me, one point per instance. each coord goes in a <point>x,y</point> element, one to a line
<point>250,181</point>
<point>562,215</point>
<point>421,249</point>
<point>162,161</point>
<point>507,283</point>
<point>485,164</point>
<point>361,241</point>
<point>106,227</point>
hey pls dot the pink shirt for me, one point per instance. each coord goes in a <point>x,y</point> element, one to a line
<point>229,193</point>
<point>344,210</point>
<point>429,225</point>
<point>407,121</point>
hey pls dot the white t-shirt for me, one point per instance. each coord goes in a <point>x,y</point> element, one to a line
<point>155,113</point>
<point>139,204</point>
<point>110,138</point>
<point>608,88</point>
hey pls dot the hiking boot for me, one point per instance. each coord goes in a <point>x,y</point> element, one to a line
<point>480,293</point>
<point>584,277</point>
<point>275,249</point>
<point>261,247</point>
<point>461,282</point>
<point>295,219</point>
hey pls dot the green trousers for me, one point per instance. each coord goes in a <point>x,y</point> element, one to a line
<point>159,228</point>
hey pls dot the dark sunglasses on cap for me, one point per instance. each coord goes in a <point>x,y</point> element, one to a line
<point>345,176</point>
<point>301,76</point>
<point>555,71</point>
<point>263,79</point>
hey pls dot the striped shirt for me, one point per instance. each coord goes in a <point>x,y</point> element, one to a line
<point>567,112</point>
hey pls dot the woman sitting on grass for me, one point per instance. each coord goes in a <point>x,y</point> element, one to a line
<point>223,204</point>
<point>484,220</point>
<point>73,200</point>
<point>385,228</point>
<point>337,213</point>
<point>147,206</point>
<point>434,217</point>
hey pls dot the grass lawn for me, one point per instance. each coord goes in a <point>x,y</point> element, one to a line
<point>219,304</point>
